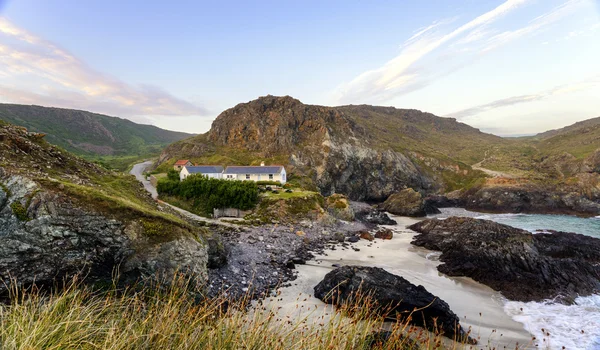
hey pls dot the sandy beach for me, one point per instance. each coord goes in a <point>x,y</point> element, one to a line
<point>478,306</point>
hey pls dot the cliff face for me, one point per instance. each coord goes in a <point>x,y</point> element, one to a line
<point>364,152</point>
<point>61,216</point>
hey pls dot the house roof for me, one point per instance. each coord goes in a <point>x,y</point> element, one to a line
<point>272,169</point>
<point>204,169</point>
<point>182,162</point>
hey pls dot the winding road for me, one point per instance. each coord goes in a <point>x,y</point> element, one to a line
<point>138,172</point>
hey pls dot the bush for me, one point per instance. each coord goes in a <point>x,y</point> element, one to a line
<point>275,192</point>
<point>209,193</point>
<point>288,191</point>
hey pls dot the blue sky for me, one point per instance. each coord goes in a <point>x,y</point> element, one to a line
<point>507,67</point>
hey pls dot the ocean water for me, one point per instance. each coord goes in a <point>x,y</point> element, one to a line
<point>555,326</point>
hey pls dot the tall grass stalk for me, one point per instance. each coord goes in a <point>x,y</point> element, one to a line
<point>78,317</point>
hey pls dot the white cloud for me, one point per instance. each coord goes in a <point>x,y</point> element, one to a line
<point>467,113</point>
<point>408,72</point>
<point>36,71</point>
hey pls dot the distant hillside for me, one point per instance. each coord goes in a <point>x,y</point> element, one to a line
<point>90,134</point>
<point>580,139</point>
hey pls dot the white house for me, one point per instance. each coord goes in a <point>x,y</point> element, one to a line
<point>256,173</point>
<point>212,171</point>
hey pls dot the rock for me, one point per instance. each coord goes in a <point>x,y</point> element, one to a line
<point>370,215</point>
<point>393,296</point>
<point>217,254</point>
<point>56,238</point>
<point>366,235</point>
<point>407,202</point>
<point>353,239</point>
<point>300,233</point>
<point>299,261</point>
<point>384,233</point>
<point>535,198</point>
<point>339,236</point>
<point>338,206</point>
<point>290,265</point>
<point>521,265</point>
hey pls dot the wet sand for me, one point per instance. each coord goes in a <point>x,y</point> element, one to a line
<point>478,306</point>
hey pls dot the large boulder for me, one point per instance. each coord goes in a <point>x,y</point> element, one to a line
<point>521,265</point>
<point>407,202</point>
<point>394,296</point>
<point>370,215</point>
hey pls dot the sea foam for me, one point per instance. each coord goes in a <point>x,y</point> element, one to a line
<point>556,325</point>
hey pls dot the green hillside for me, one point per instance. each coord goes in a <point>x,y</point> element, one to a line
<point>111,140</point>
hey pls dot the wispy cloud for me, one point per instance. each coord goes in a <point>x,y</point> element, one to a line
<point>408,72</point>
<point>521,99</point>
<point>36,71</point>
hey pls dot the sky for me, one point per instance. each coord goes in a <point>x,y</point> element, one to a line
<point>509,67</point>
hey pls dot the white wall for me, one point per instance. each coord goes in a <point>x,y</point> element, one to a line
<point>184,174</point>
<point>282,177</point>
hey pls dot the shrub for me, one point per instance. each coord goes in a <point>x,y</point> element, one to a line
<point>288,191</point>
<point>275,192</point>
<point>209,193</point>
<point>20,211</point>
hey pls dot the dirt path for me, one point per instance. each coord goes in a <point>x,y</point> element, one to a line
<point>492,173</point>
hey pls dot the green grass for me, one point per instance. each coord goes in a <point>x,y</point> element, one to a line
<point>169,318</point>
<point>296,193</point>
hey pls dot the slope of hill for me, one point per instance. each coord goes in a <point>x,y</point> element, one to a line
<point>363,151</point>
<point>89,134</point>
<point>62,215</point>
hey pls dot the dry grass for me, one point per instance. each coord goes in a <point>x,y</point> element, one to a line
<point>169,318</point>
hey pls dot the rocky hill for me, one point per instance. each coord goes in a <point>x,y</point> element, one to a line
<point>369,153</point>
<point>90,134</point>
<point>61,215</point>
<point>363,151</point>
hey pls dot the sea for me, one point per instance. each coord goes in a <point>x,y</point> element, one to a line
<point>554,325</point>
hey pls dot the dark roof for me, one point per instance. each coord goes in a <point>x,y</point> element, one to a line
<point>272,169</point>
<point>204,169</point>
<point>182,162</point>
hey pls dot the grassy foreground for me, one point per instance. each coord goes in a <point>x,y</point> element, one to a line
<point>78,318</point>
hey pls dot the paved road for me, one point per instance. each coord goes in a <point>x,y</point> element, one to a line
<point>138,171</point>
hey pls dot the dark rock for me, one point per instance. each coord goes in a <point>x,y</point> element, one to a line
<point>370,215</point>
<point>384,233</point>
<point>353,239</point>
<point>339,236</point>
<point>407,202</point>
<point>290,265</point>
<point>217,254</point>
<point>451,200</point>
<point>521,265</point>
<point>393,296</point>
<point>299,261</point>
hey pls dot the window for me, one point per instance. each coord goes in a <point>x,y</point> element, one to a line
<point>247,176</point>
<point>270,176</point>
<point>230,176</point>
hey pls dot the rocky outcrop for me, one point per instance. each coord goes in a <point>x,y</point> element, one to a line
<point>370,215</point>
<point>394,297</point>
<point>358,151</point>
<point>521,265</point>
<point>532,198</point>
<point>407,202</point>
<point>46,236</point>
<point>338,206</point>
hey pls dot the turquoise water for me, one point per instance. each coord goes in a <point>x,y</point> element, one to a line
<point>573,326</point>
<point>533,222</point>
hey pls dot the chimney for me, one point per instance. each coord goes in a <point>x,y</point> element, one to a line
<point>262,163</point>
